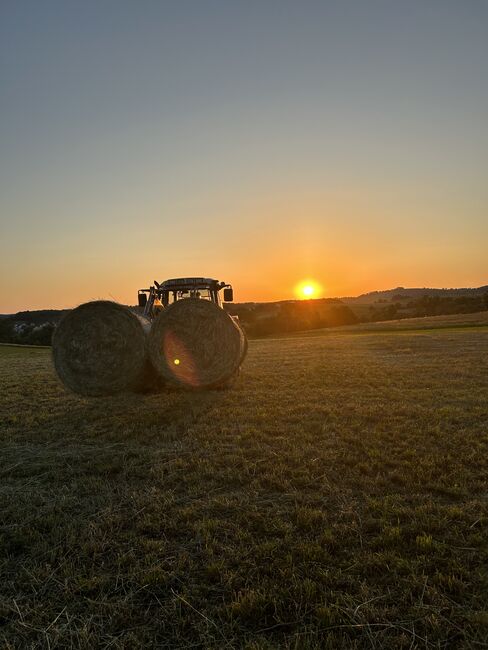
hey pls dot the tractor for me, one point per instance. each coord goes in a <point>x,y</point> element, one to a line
<point>160,295</point>
<point>184,339</point>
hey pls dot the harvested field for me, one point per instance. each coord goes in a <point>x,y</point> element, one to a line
<point>336,497</point>
<point>478,320</point>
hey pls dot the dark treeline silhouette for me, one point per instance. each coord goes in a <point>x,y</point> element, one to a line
<point>26,333</point>
<point>30,327</point>
<point>404,307</point>
<point>264,319</point>
<point>267,319</point>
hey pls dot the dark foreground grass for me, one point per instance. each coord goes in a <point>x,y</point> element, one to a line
<point>336,497</point>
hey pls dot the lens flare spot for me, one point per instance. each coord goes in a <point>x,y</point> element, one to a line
<point>180,359</point>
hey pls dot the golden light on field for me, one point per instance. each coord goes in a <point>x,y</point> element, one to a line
<point>308,289</point>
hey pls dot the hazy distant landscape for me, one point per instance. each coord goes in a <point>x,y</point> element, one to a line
<point>266,319</point>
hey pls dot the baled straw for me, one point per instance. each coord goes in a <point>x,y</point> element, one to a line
<point>99,348</point>
<point>195,344</point>
<point>244,342</point>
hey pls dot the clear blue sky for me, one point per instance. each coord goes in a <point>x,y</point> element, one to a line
<point>258,142</point>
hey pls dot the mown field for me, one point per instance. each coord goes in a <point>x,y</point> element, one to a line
<point>336,497</point>
<point>477,320</point>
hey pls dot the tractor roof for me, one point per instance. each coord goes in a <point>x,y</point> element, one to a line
<point>188,283</point>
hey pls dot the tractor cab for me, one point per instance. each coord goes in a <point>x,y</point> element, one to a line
<point>160,295</point>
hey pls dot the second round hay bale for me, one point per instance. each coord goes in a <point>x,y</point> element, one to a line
<point>195,344</point>
<point>244,341</point>
<point>99,348</point>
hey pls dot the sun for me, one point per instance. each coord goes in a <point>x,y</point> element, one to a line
<point>307,289</point>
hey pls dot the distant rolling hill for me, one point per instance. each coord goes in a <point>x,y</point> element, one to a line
<point>413,293</point>
<point>269,318</point>
<point>30,327</point>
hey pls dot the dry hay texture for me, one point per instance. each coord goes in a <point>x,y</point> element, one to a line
<point>99,348</point>
<point>195,344</point>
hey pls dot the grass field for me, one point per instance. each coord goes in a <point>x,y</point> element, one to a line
<point>478,320</point>
<point>336,497</point>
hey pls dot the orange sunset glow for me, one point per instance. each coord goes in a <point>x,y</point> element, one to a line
<point>195,141</point>
<point>308,289</point>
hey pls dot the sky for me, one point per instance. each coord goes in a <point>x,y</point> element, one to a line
<point>257,142</point>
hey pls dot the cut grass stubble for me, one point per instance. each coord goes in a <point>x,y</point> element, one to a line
<point>336,497</point>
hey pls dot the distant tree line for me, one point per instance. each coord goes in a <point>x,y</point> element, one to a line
<point>266,319</point>
<point>405,307</point>
<point>30,327</point>
<point>25,333</point>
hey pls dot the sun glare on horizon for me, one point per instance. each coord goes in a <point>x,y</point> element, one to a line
<point>308,289</point>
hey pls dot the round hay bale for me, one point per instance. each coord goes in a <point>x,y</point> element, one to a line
<point>244,347</point>
<point>99,348</point>
<point>195,344</point>
<point>244,341</point>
